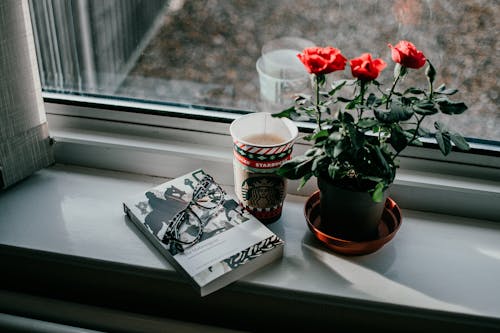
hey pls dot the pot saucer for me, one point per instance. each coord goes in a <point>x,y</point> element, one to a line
<point>388,226</point>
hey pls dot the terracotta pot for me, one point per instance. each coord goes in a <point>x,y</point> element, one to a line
<point>348,214</point>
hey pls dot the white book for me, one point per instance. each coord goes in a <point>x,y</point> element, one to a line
<point>202,231</point>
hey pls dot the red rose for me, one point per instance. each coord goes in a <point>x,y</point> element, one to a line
<point>406,54</point>
<point>366,69</point>
<point>322,60</point>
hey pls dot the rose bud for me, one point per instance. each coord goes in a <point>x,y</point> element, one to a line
<point>406,54</point>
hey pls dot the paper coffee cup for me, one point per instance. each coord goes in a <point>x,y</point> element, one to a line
<point>261,144</point>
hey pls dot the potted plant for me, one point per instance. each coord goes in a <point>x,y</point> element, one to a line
<point>358,138</point>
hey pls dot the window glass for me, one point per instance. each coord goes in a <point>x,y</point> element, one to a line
<point>205,52</point>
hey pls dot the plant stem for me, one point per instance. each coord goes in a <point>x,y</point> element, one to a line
<point>431,90</point>
<point>393,87</point>
<point>362,88</point>
<point>318,112</point>
<point>413,137</point>
<point>431,75</point>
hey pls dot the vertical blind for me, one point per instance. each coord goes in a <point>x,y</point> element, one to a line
<point>88,46</point>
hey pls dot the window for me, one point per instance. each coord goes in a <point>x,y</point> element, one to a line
<point>204,53</point>
<point>125,145</point>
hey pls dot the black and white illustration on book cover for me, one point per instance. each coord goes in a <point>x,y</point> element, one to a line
<point>219,234</point>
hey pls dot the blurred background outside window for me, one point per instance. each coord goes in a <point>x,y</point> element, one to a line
<point>204,53</point>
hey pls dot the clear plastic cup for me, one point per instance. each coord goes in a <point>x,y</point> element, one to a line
<point>281,74</point>
<point>279,57</point>
<point>278,90</point>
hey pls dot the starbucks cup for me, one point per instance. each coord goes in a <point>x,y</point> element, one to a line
<point>261,144</point>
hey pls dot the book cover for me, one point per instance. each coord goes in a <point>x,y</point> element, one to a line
<point>202,231</point>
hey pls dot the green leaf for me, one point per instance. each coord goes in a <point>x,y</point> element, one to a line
<point>397,113</point>
<point>335,137</point>
<point>449,107</point>
<point>343,99</point>
<point>378,102</point>
<point>445,137</point>
<point>336,86</point>
<point>300,97</point>
<point>459,141</point>
<point>351,105</point>
<point>416,142</point>
<point>308,137</point>
<point>398,139</point>
<point>425,108</point>
<point>317,135</point>
<point>400,112</point>
<point>295,168</point>
<point>287,113</point>
<point>443,91</point>
<point>317,162</point>
<point>312,152</point>
<point>332,170</point>
<point>443,140</point>
<point>346,117</point>
<point>430,72</point>
<point>371,99</point>
<point>373,179</point>
<point>310,111</point>
<point>382,159</point>
<point>378,193</point>
<point>357,138</point>
<point>304,180</point>
<point>339,148</point>
<point>448,92</point>
<point>367,122</point>
<point>411,140</point>
<point>409,100</point>
<point>413,91</point>
<point>439,126</point>
<point>314,165</point>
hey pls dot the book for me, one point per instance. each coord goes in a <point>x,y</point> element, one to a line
<point>202,231</point>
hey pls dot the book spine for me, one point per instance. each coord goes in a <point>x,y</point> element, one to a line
<point>253,252</point>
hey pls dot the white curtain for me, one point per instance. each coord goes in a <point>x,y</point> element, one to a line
<point>24,139</point>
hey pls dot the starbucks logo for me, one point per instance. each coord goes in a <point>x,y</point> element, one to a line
<point>263,191</point>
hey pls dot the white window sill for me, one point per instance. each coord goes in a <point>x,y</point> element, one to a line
<point>167,150</point>
<point>439,271</point>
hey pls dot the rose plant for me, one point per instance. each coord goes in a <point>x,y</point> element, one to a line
<point>358,138</point>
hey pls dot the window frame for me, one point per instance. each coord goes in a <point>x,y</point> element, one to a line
<point>163,140</point>
<point>91,106</point>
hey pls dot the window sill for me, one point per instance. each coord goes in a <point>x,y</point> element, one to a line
<point>422,183</point>
<point>439,272</point>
